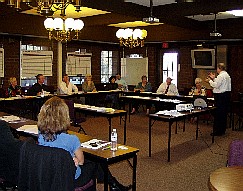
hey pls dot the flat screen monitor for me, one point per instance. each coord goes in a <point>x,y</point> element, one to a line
<point>203,58</point>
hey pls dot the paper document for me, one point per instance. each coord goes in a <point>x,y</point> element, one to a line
<point>95,144</point>
<point>32,129</point>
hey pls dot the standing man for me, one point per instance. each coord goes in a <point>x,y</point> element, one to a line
<point>168,88</point>
<point>221,89</point>
<point>121,82</point>
<point>67,87</point>
<point>38,87</point>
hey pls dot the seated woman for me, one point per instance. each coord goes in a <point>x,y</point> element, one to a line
<point>112,97</point>
<point>198,89</point>
<point>13,89</point>
<point>88,85</point>
<point>143,86</point>
<point>53,122</point>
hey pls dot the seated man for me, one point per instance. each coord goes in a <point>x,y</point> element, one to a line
<point>168,88</point>
<point>38,87</point>
<point>67,87</point>
<point>121,82</point>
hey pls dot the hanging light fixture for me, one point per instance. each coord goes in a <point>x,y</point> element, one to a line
<point>63,29</point>
<point>131,38</point>
<point>45,7</point>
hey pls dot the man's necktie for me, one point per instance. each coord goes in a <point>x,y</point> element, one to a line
<point>166,91</point>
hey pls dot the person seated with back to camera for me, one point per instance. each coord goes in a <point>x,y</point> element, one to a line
<point>13,88</point>
<point>53,123</point>
<point>112,97</point>
<point>168,88</point>
<point>143,86</point>
<point>67,87</point>
<point>198,89</point>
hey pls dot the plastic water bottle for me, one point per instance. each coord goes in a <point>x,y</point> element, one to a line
<point>42,93</point>
<point>114,140</point>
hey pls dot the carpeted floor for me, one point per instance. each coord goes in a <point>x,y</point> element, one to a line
<point>192,160</point>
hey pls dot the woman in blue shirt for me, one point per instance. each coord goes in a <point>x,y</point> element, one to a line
<point>53,122</point>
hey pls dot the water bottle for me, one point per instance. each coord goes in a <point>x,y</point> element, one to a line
<point>114,140</point>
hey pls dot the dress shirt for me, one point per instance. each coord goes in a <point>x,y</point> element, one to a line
<point>64,89</point>
<point>122,82</point>
<point>171,91</point>
<point>222,83</point>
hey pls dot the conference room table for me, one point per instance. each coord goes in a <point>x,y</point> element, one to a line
<point>102,155</point>
<point>175,116</point>
<point>226,179</point>
<point>109,113</point>
<point>159,102</point>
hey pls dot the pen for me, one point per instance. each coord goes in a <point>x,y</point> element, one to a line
<point>106,148</point>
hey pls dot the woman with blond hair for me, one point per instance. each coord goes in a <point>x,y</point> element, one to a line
<point>13,88</point>
<point>53,122</point>
<point>88,85</point>
<point>198,89</point>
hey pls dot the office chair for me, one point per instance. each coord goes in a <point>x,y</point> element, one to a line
<point>9,157</point>
<point>235,155</point>
<point>43,168</point>
<point>76,122</point>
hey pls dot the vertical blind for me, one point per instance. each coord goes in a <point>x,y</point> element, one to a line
<point>1,62</point>
<point>78,63</point>
<point>36,62</point>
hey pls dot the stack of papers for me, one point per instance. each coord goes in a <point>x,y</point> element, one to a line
<point>173,113</point>
<point>10,118</point>
<point>95,144</point>
<point>32,129</point>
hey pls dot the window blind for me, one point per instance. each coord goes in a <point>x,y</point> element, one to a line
<point>36,62</point>
<point>78,63</point>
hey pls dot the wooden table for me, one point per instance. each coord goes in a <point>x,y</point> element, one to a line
<point>108,157</point>
<point>171,120</point>
<point>226,179</point>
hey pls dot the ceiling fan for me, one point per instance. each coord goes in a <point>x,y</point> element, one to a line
<point>151,18</point>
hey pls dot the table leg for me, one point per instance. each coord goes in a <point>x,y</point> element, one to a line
<point>129,110</point>
<point>105,168</point>
<point>125,129</point>
<point>197,127</point>
<point>150,137</point>
<point>109,119</point>
<point>184,126</point>
<point>176,128</point>
<point>169,139</point>
<point>134,175</point>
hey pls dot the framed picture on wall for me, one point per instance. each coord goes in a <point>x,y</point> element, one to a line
<point>203,58</point>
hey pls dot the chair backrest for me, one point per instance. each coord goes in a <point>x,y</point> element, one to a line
<point>9,154</point>
<point>43,168</point>
<point>70,105</point>
<point>209,92</point>
<point>235,156</point>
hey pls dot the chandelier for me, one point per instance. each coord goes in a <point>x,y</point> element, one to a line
<point>131,38</point>
<point>63,29</point>
<point>45,7</point>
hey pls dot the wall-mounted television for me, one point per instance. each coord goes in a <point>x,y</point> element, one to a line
<point>203,58</point>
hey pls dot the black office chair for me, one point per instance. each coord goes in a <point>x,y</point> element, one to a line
<point>9,157</point>
<point>75,121</point>
<point>43,168</point>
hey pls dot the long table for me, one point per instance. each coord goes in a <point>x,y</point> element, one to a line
<point>171,119</point>
<point>106,157</point>
<point>161,103</point>
<point>108,115</point>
